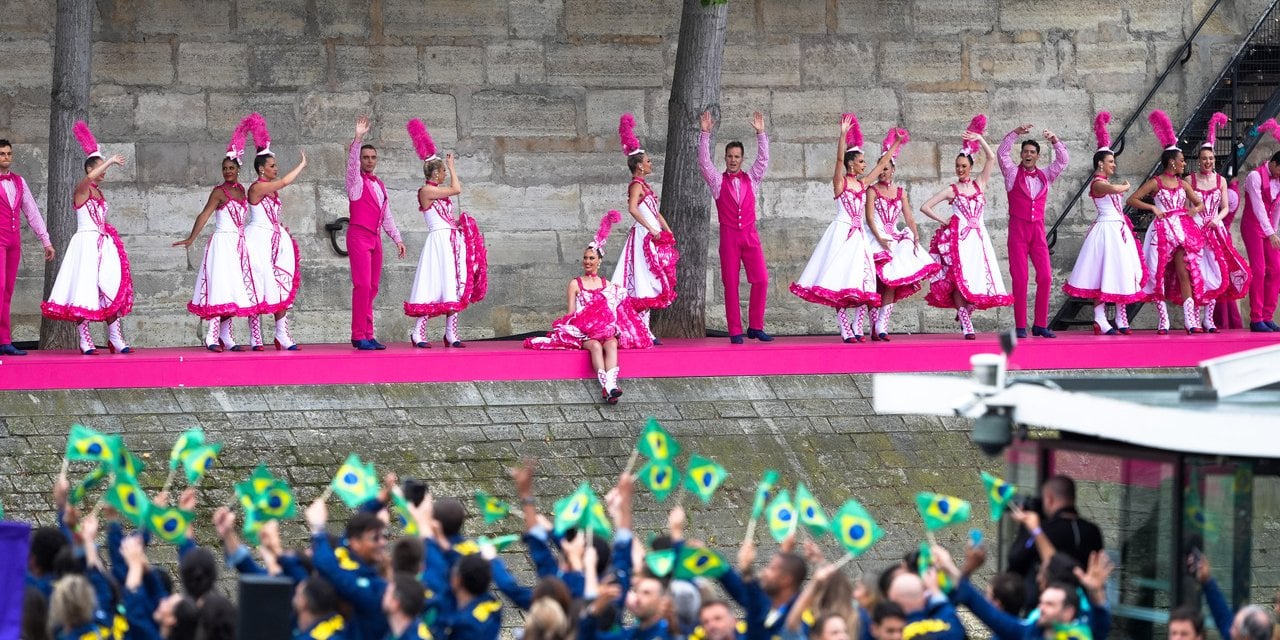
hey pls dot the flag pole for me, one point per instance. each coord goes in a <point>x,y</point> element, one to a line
<point>168,482</point>
<point>631,462</point>
<point>751,530</point>
<point>66,463</point>
<point>328,491</point>
<point>848,557</point>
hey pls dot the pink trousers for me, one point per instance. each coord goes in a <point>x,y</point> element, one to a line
<point>1264,263</point>
<point>10,258</point>
<point>1026,239</point>
<point>364,251</point>
<point>742,246</point>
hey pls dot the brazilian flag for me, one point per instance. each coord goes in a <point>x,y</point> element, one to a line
<point>703,477</point>
<point>925,560</point>
<point>400,507</point>
<point>125,463</point>
<point>276,502</point>
<point>491,508</point>
<point>571,510</point>
<point>597,520</point>
<point>811,514</point>
<point>656,444</point>
<point>499,543</point>
<point>999,494</point>
<point>661,477</point>
<point>199,461</point>
<point>781,515</point>
<point>89,483</point>
<point>763,489</point>
<point>252,525</point>
<point>1073,631</point>
<point>698,563</point>
<point>939,511</point>
<point>660,563</point>
<point>189,440</point>
<point>355,483</point>
<point>87,444</point>
<point>128,498</point>
<point>170,523</point>
<point>854,528</point>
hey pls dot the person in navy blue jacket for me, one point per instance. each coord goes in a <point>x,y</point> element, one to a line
<point>173,617</point>
<point>354,567</point>
<point>315,610</point>
<point>404,604</point>
<point>477,615</point>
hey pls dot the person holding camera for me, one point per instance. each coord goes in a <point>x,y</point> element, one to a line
<point>1060,523</point>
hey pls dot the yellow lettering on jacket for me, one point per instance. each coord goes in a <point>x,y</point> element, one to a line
<point>924,628</point>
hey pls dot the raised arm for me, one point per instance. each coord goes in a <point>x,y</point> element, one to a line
<point>94,175</point>
<point>871,177</point>
<point>988,163</point>
<point>708,168</point>
<point>434,192</point>
<point>761,165</point>
<point>355,184</point>
<point>1008,167</point>
<point>261,189</point>
<point>1060,156</point>
<point>216,199</point>
<point>837,177</point>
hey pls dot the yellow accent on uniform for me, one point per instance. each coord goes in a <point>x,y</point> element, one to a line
<point>808,618</point>
<point>482,611</point>
<point>328,628</point>
<point>424,632</point>
<point>467,548</point>
<point>924,628</point>
<point>344,559</point>
<point>120,626</point>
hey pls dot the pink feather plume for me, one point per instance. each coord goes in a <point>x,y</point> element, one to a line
<point>606,225</point>
<point>1100,129</point>
<point>422,142</point>
<point>1270,126</point>
<point>853,139</point>
<point>1218,121</point>
<point>1163,128</point>
<point>627,134</point>
<point>235,148</point>
<point>257,126</point>
<point>977,126</point>
<point>85,137</point>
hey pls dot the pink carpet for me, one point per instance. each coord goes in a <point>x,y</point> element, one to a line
<point>507,360</point>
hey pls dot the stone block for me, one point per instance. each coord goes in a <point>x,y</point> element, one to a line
<point>1006,62</point>
<point>453,65</point>
<point>367,67</point>
<point>886,17</point>
<point>215,65</point>
<point>761,65</point>
<point>539,207</point>
<point>172,115</point>
<point>594,18</point>
<point>914,62</point>
<point>468,18</point>
<point>339,18</point>
<point>605,107</point>
<point>786,160</point>
<point>171,210</point>
<point>114,110</point>
<point>439,111</point>
<point>800,201</point>
<point>279,66</point>
<point>796,17</point>
<point>569,168</point>
<point>1064,110</point>
<point>534,18</point>
<point>36,18</point>
<point>838,61</point>
<point>601,65</point>
<point>952,17</point>
<point>272,19</point>
<point>523,247</point>
<point>947,114</point>
<point>28,63</point>
<point>495,113</point>
<point>187,20</point>
<point>919,160</point>
<point>332,116</point>
<point>1153,16</point>
<point>1062,15</point>
<point>516,62</point>
<point>1128,60</point>
<point>133,63</point>
<point>279,110</point>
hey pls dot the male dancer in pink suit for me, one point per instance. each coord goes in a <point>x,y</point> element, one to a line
<point>15,197</point>
<point>1258,228</point>
<point>1028,188</point>
<point>735,192</point>
<point>369,211</point>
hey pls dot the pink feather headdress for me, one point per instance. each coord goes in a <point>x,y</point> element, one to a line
<point>422,142</point>
<point>977,126</point>
<point>606,225</point>
<point>1270,126</point>
<point>1163,129</point>
<point>85,137</point>
<point>627,134</point>
<point>898,133</point>
<point>257,127</point>
<point>853,139</point>
<point>1100,130</point>
<point>235,148</point>
<point>1218,121</point>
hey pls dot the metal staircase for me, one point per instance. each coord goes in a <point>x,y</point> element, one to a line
<point>1247,90</point>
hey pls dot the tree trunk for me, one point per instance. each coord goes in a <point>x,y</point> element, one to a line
<point>695,88</point>
<point>69,102</point>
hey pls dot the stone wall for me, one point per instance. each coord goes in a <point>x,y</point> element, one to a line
<point>528,93</point>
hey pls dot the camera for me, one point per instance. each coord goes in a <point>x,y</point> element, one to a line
<point>415,491</point>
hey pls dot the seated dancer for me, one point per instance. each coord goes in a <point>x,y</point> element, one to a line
<point>901,264</point>
<point>600,318</point>
<point>970,277</point>
<point>1109,267</point>
<point>1225,271</point>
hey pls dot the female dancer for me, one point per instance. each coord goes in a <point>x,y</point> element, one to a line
<point>901,264</point>
<point>93,283</point>
<point>600,318</point>
<point>1109,267</point>
<point>1226,313</point>
<point>273,254</point>
<point>1174,241</point>
<point>647,266</point>
<point>970,277</point>
<point>841,271</point>
<point>452,272</point>
<point>1226,273</point>
<point>222,282</point>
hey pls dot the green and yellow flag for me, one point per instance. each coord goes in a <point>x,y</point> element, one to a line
<point>571,510</point>
<point>500,542</point>
<point>656,444</point>
<point>939,511</point>
<point>999,494</point>
<point>491,508</point>
<point>87,444</point>
<point>1073,631</point>
<point>703,477</point>
<point>811,514</point>
<point>355,483</point>
<point>125,463</point>
<point>128,498</point>
<point>90,482</point>
<point>781,514</point>
<point>660,563</point>
<point>763,489</point>
<point>661,477</point>
<point>699,563</point>
<point>597,520</point>
<point>925,560</point>
<point>854,528</point>
<point>400,507</point>
<point>199,461</point>
<point>276,502</point>
<point>170,523</point>
<point>189,440</point>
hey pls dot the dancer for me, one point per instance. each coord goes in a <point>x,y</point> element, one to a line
<point>453,270</point>
<point>1028,189</point>
<point>970,277</point>
<point>1226,274</point>
<point>224,280</point>
<point>273,253</point>
<point>1226,314</point>
<point>841,273</point>
<point>15,198</point>
<point>600,318</point>
<point>369,210</point>
<point>93,282</point>
<point>1258,228</point>
<point>647,266</point>
<point>1109,268</point>
<point>901,264</point>
<point>1174,241</point>
<point>735,193</point>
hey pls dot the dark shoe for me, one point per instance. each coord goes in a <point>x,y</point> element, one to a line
<point>377,345</point>
<point>365,345</point>
<point>422,345</point>
<point>1124,331</point>
<point>355,342</point>
<point>657,342</point>
<point>257,347</point>
<point>850,341</point>
<point>10,350</point>
<point>759,334</point>
<point>1271,325</point>
<point>970,336</point>
<point>456,344</point>
<point>738,339</point>
<point>1259,327</point>
<point>216,348</point>
<point>1042,332</point>
<point>875,337</point>
<point>1162,332</point>
<point>237,348</point>
<point>883,337</point>
<point>858,338</point>
<point>292,347</point>
<point>1021,332</point>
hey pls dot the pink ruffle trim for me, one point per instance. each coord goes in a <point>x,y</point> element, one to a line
<point>209,312</point>
<point>122,302</point>
<point>477,276</point>
<point>1234,268</point>
<point>1116,298</point>
<point>661,257</point>
<point>842,299</point>
<point>951,277</point>
<point>597,322</point>
<point>1167,288</point>
<point>263,308</point>
<point>907,286</point>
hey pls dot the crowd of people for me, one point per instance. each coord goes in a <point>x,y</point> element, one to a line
<point>435,581</point>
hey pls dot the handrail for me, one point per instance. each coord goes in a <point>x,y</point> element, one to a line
<point>1176,60</point>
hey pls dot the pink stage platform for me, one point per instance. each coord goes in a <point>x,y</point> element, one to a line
<point>507,360</point>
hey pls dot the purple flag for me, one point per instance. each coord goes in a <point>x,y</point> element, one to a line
<point>15,539</point>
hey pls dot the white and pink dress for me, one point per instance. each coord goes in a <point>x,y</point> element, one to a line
<point>904,265</point>
<point>93,282</point>
<point>273,257</point>
<point>224,282</point>
<point>1225,271</point>
<point>647,266</point>
<point>599,314</point>
<point>1176,230</point>
<point>1109,267</point>
<point>841,273</point>
<point>453,269</point>
<point>969,262</point>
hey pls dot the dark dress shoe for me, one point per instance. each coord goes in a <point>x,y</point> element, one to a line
<point>10,350</point>
<point>759,334</point>
<point>735,339</point>
<point>1042,332</point>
